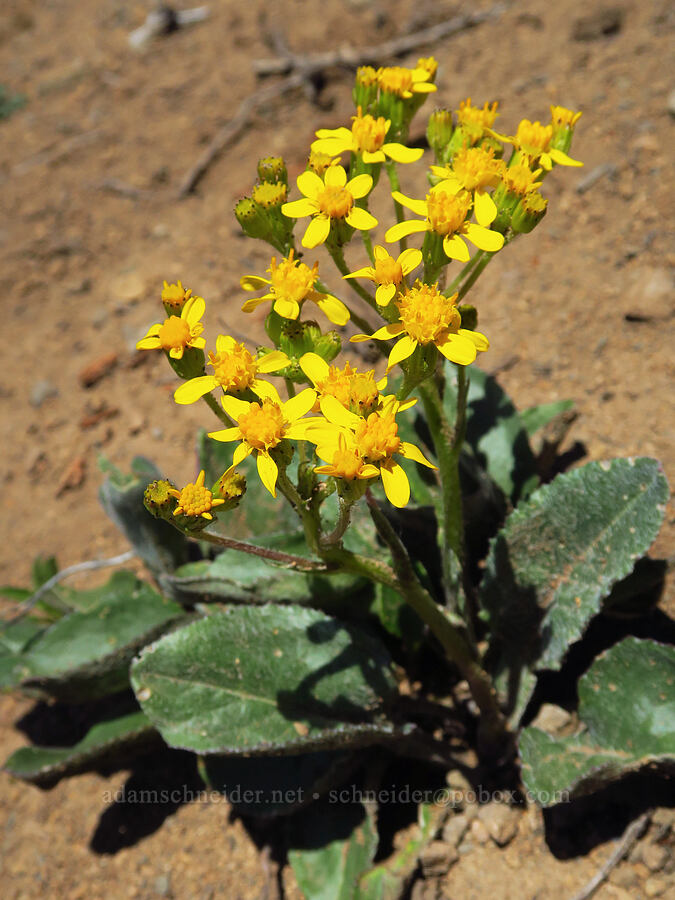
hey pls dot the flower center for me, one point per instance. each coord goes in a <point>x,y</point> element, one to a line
<point>347,463</point>
<point>291,280</point>
<point>520,179</point>
<point>335,201</point>
<point>474,119</point>
<point>426,313</point>
<point>174,333</point>
<point>175,296</point>
<point>388,271</point>
<point>377,436</point>
<point>263,425</point>
<point>234,371</point>
<point>356,391</point>
<point>477,168</point>
<point>396,80</point>
<point>369,133</point>
<point>446,212</point>
<point>268,194</point>
<point>533,137</point>
<point>195,499</point>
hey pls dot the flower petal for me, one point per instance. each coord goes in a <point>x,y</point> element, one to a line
<point>361,219</point>
<point>386,333</point>
<point>315,367</point>
<point>380,252</point>
<point>287,309</point>
<point>402,154</point>
<point>395,483</point>
<point>268,471</point>
<point>419,207</point>
<point>253,282</point>
<point>479,340</point>
<point>371,158</point>
<point>190,391</point>
<point>234,407</point>
<point>341,132</point>
<point>193,310</point>
<point>335,177</point>
<point>332,308</point>
<point>360,186</point>
<point>317,231</point>
<point>263,389</point>
<point>225,343</point>
<point>272,362</point>
<point>458,349</point>
<point>410,451</point>
<point>483,238</point>
<point>409,260</point>
<point>385,293</point>
<point>240,454</point>
<point>455,248</point>
<point>148,343</point>
<point>403,229</point>
<point>199,343</point>
<point>335,412</point>
<point>402,350</point>
<point>563,159</point>
<point>333,146</point>
<point>485,208</point>
<point>298,406</point>
<point>226,434</point>
<point>176,352</point>
<point>298,209</point>
<point>365,272</point>
<point>254,302</point>
<point>309,184</point>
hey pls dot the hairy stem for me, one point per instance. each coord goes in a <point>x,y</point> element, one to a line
<point>286,559</point>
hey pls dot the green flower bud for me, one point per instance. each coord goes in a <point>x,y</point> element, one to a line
<point>272,169</point>
<point>174,298</point>
<point>563,122</point>
<point>251,216</point>
<point>529,212</point>
<point>364,92</point>
<point>439,131</point>
<point>190,365</point>
<point>230,487</point>
<point>159,500</point>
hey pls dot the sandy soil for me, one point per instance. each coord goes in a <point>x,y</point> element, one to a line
<point>89,173</point>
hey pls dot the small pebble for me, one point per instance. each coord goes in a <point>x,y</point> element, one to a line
<point>42,390</point>
<point>654,856</point>
<point>501,822</point>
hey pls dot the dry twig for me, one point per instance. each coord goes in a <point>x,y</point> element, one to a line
<point>625,845</point>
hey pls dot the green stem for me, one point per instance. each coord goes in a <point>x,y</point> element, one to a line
<point>368,244</point>
<point>286,559</point>
<point>475,274</point>
<point>456,648</point>
<point>358,320</point>
<point>454,285</point>
<point>448,444</point>
<point>213,404</point>
<point>308,516</point>
<point>344,517</point>
<point>392,174</point>
<point>339,260</point>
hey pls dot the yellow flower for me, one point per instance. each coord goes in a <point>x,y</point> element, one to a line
<point>388,273</point>
<point>367,139</point>
<point>330,199</point>
<point>235,370</point>
<point>374,440</point>
<point>176,333</point>
<point>476,121</point>
<point>357,391</point>
<point>195,499</point>
<point>175,296</point>
<point>405,82</point>
<point>533,140</point>
<point>474,169</point>
<point>263,426</point>
<point>519,179</point>
<point>428,317</point>
<point>563,118</point>
<point>445,213</point>
<point>291,282</point>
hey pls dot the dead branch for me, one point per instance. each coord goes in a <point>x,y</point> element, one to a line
<point>351,57</point>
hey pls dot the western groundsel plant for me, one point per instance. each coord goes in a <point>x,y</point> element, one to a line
<point>368,553</point>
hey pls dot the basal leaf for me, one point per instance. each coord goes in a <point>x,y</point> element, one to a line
<point>627,703</point>
<point>537,417</point>
<point>270,679</point>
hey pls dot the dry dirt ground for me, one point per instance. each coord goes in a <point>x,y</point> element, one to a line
<point>91,224</point>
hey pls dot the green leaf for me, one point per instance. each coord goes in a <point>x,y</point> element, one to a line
<point>45,765</point>
<point>557,557</point>
<point>494,432</point>
<point>330,867</point>
<point>276,785</point>
<point>241,577</point>
<point>14,637</point>
<point>537,417</point>
<point>86,654</point>
<point>161,547</point>
<point>265,679</point>
<point>627,703</point>
<point>390,880</point>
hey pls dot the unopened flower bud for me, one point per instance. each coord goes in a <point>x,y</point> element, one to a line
<point>563,121</point>
<point>230,487</point>
<point>158,499</point>
<point>364,92</point>
<point>529,212</point>
<point>174,298</point>
<point>272,169</point>
<point>439,131</point>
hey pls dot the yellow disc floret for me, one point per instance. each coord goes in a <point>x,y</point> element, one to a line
<point>262,427</point>
<point>377,436</point>
<point>520,179</point>
<point>235,370</point>
<point>269,195</point>
<point>396,80</point>
<point>476,168</point>
<point>174,334</point>
<point>175,296</point>
<point>426,313</point>
<point>334,201</point>
<point>356,391</point>
<point>368,132</point>
<point>446,212</point>
<point>475,120</point>
<point>533,138</point>
<point>292,279</point>
<point>387,270</point>
<point>195,499</point>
